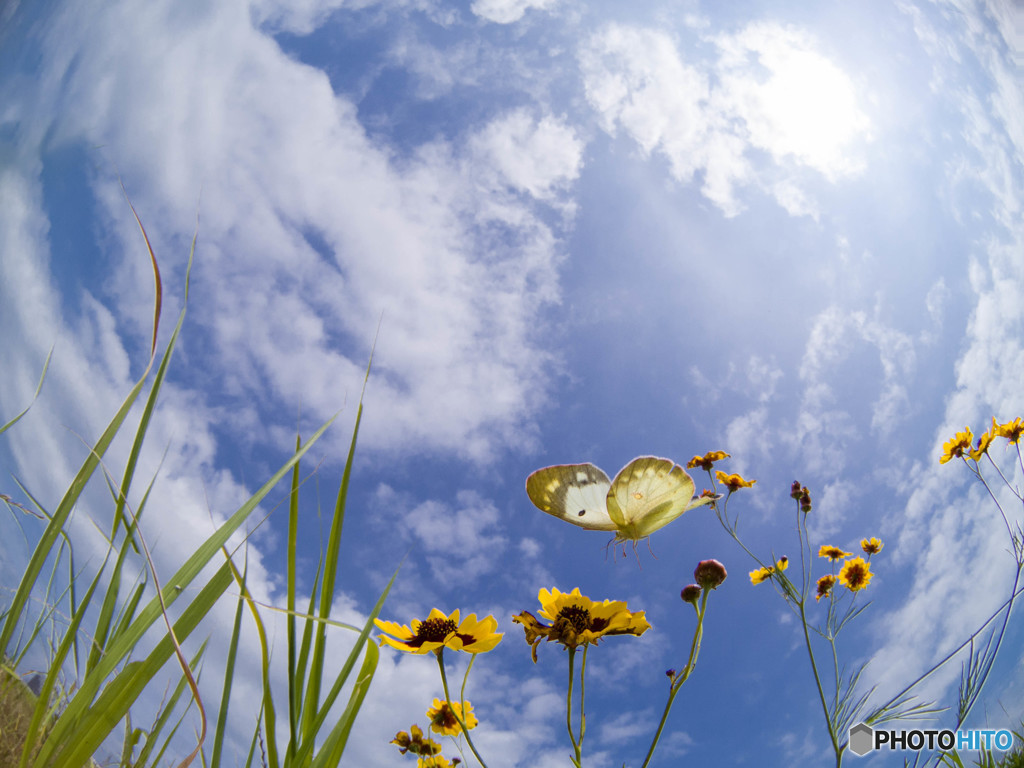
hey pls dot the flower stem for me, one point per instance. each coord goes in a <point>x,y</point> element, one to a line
<point>576,745</point>
<point>448,699</point>
<point>677,683</point>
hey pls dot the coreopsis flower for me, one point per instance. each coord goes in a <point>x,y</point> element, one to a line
<point>436,761</point>
<point>577,620</point>
<point>445,719</point>
<point>825,584</point>
<point>855,574</point>
<point>733,482</point>
<point>415,743</point>
<point>709,574</point>
<point>871,546</point>
<point>439,631</point>
<point>1011,430</point>
<point>706,461</point>
<point>957,446</point>
<point>984,441</point>
<point>763,574</point>
<point>832,553</point>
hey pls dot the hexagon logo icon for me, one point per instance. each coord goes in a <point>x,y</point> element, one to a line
<point>862,739</point>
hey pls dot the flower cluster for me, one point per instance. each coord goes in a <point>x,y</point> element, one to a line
<point>962,444</point>
<point>855,573</point>
<point>445,720</point>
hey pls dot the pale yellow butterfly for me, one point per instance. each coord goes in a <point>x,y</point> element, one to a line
<point>646,494</point>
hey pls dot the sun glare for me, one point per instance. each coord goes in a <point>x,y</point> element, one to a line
<point>810,111</point>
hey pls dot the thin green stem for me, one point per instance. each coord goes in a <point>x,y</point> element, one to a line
<point>583,693</point>
<point>576,745</point>
<point>681,678</point>
<point>448,699</point>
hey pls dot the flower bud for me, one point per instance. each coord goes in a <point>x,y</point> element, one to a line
<point>690,593</point>
<point>794,489</point>
<point>709,573</point>
<point>805,500</point>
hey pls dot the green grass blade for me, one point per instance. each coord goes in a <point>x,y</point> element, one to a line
<point>269,713</point>
<point>63,649</point>
<point>229,676</point>
<point>164,716</point>
<point>81,729</point>
<point>67,503</point>
<point>306,750</point>
<point>39,388</point>
<point>334,746</point>
<point>330,572</point>
<point>294,699</point>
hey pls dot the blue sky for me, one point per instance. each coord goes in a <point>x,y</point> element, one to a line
<point>589,231</point>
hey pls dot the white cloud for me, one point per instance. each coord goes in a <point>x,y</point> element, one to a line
<point>772,91</point>
<point>457,266</point>
<point>535,156</point>
<point>507,11</point>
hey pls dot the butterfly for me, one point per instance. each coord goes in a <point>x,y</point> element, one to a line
<point>646,494</point>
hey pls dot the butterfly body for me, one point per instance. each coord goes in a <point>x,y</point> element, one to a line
<point>647,494</point>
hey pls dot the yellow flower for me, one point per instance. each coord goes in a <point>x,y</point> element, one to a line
<point>984,441</point>
<point>415,743</point>
<point>855,574</point>
<point>825,586</point>
<point>1011,430</point>
<point>763,574</point>
<point>439,631</point>
<point>577,620</point>
<point>445,719</point>
<point>436,761</point>
<point>832,553</point>
<point>732,482</point>
<point>956,446</point>
<point>705,461</point>
<point>871,546</point>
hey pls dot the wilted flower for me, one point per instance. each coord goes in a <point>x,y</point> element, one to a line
<point>855,574</point>
<point>440,631</point>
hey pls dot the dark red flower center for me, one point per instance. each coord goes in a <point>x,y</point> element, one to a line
<point>432,631</point>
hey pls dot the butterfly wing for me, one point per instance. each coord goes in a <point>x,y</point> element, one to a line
<point>576,493</point>
<point>648,494</point>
